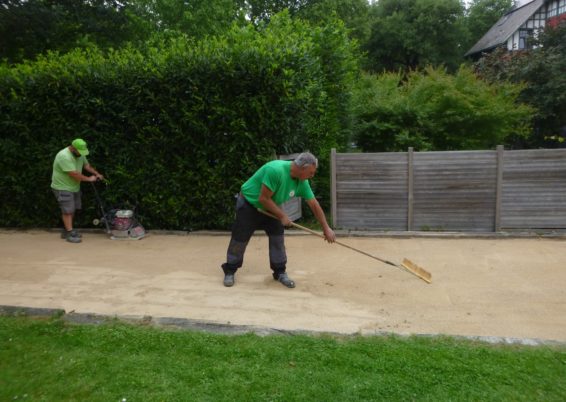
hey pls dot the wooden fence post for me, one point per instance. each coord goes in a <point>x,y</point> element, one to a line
<point>410,189</point>
<point>333,206</point>
<point>498,188</point>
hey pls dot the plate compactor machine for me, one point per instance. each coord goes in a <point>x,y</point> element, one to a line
<point>120,224</point>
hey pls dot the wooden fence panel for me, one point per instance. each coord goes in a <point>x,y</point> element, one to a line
<point>450,191</point>
<point>455,191</point>
<point>371,191</point>
<point>534,189</point>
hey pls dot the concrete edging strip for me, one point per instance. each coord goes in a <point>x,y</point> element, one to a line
<point>229,329</point>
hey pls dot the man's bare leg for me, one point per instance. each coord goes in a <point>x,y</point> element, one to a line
<point>68,222</point>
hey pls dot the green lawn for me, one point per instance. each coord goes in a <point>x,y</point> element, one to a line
<point>51,360</point>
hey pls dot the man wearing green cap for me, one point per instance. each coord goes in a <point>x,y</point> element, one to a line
<point>66,181</point>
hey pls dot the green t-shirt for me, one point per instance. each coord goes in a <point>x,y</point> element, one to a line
<point>276,175</point>
<point>64,163</point>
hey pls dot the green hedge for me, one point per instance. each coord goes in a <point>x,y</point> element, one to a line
<point>176,126</point>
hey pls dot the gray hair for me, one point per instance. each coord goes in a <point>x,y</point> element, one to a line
<point>306,159</point>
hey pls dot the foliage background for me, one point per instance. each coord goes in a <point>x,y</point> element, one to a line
<point>177,125</point>
<point>181,101</point>
<point>433,110</point>
<point>542,73</point>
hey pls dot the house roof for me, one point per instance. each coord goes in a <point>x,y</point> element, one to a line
<point>505,27</point>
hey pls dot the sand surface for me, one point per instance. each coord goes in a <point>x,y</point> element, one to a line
<point>481,287</point>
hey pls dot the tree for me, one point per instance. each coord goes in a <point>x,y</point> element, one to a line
<point>32,27</point>
<point>406,34</point>
<point>434,110</point>
<point>542,69</point>
<point>261,11</point>
<point>354,13</point>
<point>195,18</point>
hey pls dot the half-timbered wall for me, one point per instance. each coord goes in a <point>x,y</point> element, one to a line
<point>519,40</point>
<point>550,13</point>
<point>556,12</point>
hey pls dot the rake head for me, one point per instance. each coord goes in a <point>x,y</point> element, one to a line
<point>416,270</point>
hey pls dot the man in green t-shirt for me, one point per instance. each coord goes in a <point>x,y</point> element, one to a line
<point>272,185</point>
<point>66,181</point>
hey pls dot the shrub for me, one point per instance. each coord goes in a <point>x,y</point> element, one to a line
<point>176,126</point>
<point>433,110</point>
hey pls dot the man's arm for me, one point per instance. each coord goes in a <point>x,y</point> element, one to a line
<point>321,218</point>
<point>92,170</point>
<point>270,206</point>
<point>81,177</point>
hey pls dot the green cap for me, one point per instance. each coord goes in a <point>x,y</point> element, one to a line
<point>80,145</point>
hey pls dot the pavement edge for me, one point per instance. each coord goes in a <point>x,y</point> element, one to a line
<point>188,324</point>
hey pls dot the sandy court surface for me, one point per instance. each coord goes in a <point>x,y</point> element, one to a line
<point>481,287</point>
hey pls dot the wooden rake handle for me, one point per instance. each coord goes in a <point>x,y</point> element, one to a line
<point>406,266</point>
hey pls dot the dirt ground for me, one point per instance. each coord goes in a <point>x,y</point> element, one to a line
<point>481,287</point>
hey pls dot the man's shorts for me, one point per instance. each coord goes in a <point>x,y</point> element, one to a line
<point>68,201</point>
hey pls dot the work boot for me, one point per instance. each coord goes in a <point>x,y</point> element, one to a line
<point>285,280</point>
<point>64,234</point>
<point>229,280</point>
<point>73,237</point>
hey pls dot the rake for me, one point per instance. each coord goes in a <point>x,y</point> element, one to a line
<point>406,265</point>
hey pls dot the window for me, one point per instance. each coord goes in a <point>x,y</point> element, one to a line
<point>553,9</point>
<point>557,7</point>
<point>524,38</point>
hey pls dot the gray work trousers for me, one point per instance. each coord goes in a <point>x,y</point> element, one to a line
<point>248,220</point>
